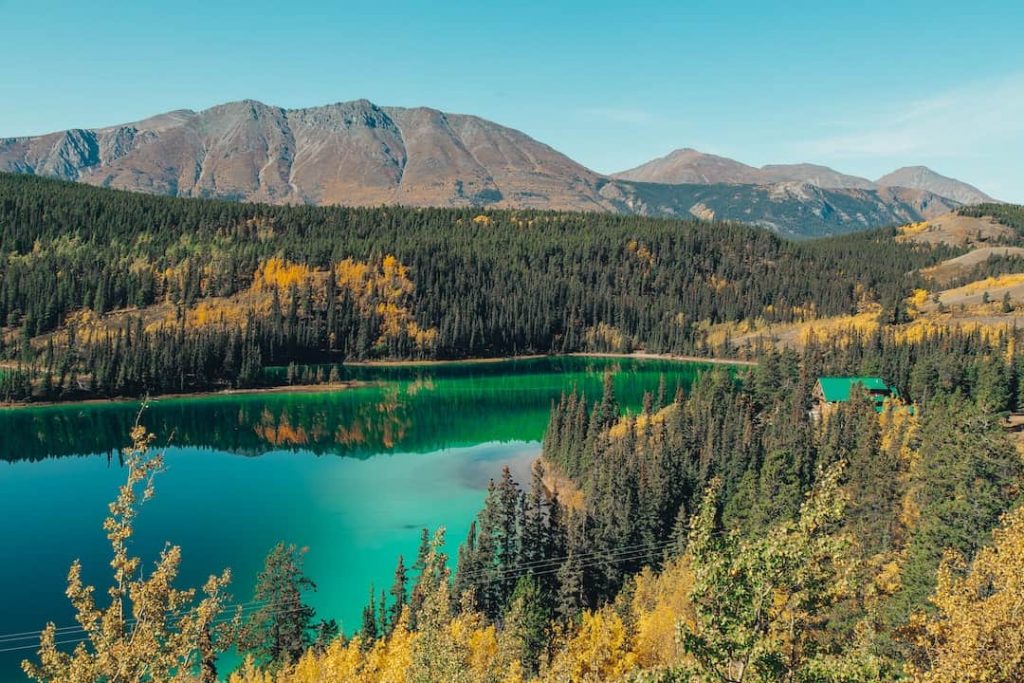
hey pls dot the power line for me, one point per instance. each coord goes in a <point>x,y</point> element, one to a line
<point>594,554</point>
<point>68,630</point>
<point>542,567</point>
<point>483,573</point>
<point>638,552</point>
<point>633,555</point>
<point>82,638</point>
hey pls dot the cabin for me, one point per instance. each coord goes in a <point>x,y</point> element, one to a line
<point>831,391</point>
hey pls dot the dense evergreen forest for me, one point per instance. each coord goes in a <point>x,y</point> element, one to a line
<point>727,533</point>
<point>106,293</point>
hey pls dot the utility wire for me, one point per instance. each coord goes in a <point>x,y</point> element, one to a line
<point>82,638</point>
<point>593,559</point>
<point>68,630</point>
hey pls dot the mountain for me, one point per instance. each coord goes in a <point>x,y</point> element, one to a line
<point>346,153</point>
<point>358,153</point>
<point>691,166</point>
<point>822,176</point>
<point>794,209</point>
<point>923,178</point>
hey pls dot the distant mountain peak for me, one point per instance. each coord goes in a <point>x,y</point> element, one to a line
<point>687,165</point>
<point>343,153</point>
<point>924,178</point>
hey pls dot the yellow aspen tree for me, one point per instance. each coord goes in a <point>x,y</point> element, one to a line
<point>978,634</point>
<point>149,630</point>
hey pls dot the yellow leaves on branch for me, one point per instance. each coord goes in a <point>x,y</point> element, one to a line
<point>148,630</point>
<point>978,634</point>
<point>659,603</point>
<point>641,424</point>
<point>917,301</point>
<point>386,660</point>
<point>278,273</point>
<point>597,651</point>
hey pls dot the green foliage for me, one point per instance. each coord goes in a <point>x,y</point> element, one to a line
<point>968,475</point>
<point>758,600</point>
<point>527,621</point>
<point>280,629</point>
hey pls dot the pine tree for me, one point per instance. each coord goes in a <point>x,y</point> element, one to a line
<point>369,630</point>
<point>399,594</point>
<point>280,629</point>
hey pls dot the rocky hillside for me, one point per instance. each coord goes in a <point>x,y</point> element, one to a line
<point>794,209</point>
<point>923,178</point>
<point>692,166</point>
<point>358,153</point>
<point>349,153</point>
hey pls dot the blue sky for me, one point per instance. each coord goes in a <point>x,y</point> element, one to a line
<point>863,87</point>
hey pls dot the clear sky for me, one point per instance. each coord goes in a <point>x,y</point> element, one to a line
<point>862,86</point>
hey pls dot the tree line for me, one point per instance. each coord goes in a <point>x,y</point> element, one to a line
<point>107,293</point>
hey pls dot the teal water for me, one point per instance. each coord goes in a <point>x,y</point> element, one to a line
<point>353,475</point>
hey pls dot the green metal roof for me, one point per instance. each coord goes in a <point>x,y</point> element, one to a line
<point>839,388</point>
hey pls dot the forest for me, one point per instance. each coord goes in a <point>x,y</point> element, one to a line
<point>106,293</point>
<point>727,533</point>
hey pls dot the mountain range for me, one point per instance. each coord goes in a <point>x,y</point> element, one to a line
<point>358,153</point>
<point>691,166</point>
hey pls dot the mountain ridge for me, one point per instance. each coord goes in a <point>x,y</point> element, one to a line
<point>924,178</point>
<point>688,165</point>
<point>359,153</point>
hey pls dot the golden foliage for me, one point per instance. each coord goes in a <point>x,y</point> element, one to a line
<point>597,651</point>
<point>908,231</point>
<point>841,326</point>
<point>641,423</point>
<point>150,630</point>
<point>605,337</point>
<point>659,603</point>
<point>606,645</point>
<point>385,290</point>
<point>279,273</point>
<point>989,283</point>
<point>641,251</point>
<point>978,634</point>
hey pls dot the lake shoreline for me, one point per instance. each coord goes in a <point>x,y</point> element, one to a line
<point>353,384</point>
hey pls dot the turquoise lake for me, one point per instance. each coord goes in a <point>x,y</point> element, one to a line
<point>352,474</point>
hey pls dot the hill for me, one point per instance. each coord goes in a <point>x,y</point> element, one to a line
<point>692,166</point>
